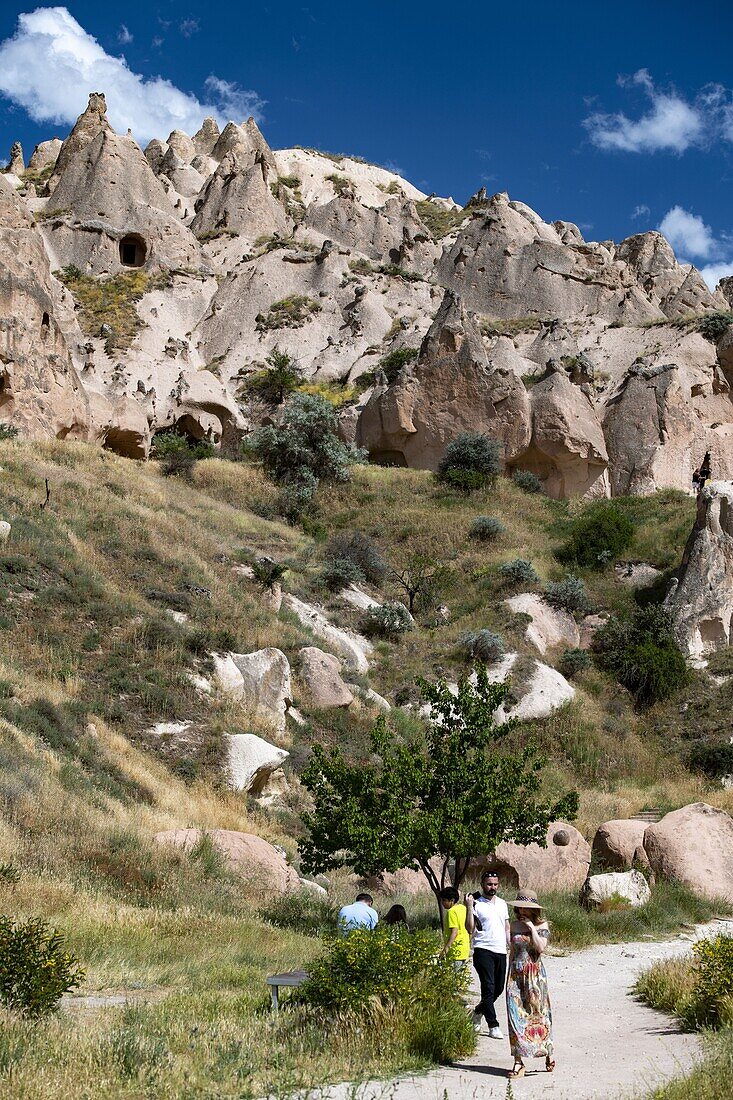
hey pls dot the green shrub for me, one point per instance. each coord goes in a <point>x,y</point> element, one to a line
<point>35,970</point>
<point>362,551</point>
<point>387,620</point>
<point>267,572</point>
<point>289,312</point>
<point>301,912</point>
<point>598,537</point>
<point>482,645</point>
<point>338,573</point>
<point>573,661</point>
<point>486,528</point>
<point>714,325</point>
<point>392,966</point>
<point>280,379</point>
<point>713,760</point>
<point>711,1003</point>
<point>8,431</point>
<point>175,443</point>
<point>471,461</point>
<point>519,571</point>
<point>569,594</point>
<point>179,464</point>
<point>642,653</point>
<point>527,481</point>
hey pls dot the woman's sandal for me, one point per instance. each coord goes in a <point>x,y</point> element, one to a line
<point>515,1072</point>
<point>549,1064</point>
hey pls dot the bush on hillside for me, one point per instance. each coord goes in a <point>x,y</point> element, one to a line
<point>35,968</point>
<point>486,528</point>
<point>8,431</point>
<point>386,620</point>
<point>471,461</point>
<point>711,1003</point>
<point>362,551</point>
<point>267,572</point>
<point>573,661</point>
<point>713,760</point>
<point>281,378</point>
<point>482,645</point>
<point>569,594</point>
<point>519,571</point>
<point>303,450</point>
<point>597,537</point>
<point>179,464</point>
<point>527,481</point>
<point>172,442</point>
<point>714,325</point>
<point>642,654</point>
<point>338,573</point>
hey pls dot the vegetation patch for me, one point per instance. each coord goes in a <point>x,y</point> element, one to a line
<point>439,219</point>
<point>292,312</point>
<point>106,306</point>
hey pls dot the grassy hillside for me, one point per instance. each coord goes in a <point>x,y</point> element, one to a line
<point>91,659</point>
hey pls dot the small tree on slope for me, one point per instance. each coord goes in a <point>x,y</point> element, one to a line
<point>456,793</point>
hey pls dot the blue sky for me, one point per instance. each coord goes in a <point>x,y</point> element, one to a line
<point>618,116</point>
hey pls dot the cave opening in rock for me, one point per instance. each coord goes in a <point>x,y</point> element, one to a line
<point>133,250</point>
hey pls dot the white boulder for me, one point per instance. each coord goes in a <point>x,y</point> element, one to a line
<point>629,887</point>
<point>549,626</point>
<point>250,762</point>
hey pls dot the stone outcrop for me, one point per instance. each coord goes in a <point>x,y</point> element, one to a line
<point>694,846</point>
<point>119,424</point>
<point>16,167</point>
<point>567,450</point>
<point>237,200</point>
<point>260,864</point>
<point>251,762</point>
<point>617,890</point>
<point>320,674</point>
<point>701,602</point>
<point>45,154</point>
<point>40,391</point>
<point>351,647</point>
<point>549,626</point>
<point>650,428</point>
<point>619,845</point>
<point>562,865</point>
<point>260,679</point>
<point>451,389</point>
<point>678,289</point>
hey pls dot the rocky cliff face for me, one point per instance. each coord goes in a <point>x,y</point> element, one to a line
<point>587,360</point>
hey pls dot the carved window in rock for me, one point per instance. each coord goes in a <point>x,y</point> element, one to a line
<point>133,250</point>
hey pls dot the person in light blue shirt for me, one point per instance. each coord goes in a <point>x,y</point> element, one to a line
<point>359,914</point>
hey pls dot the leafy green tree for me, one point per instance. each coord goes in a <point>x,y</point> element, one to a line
<point>281,379</point>
<point>471,461</point>
<point>455,793</point>
<point>641,652</point>
<point>598,537</point>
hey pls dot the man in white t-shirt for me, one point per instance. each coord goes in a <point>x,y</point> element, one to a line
<point>490,946</point>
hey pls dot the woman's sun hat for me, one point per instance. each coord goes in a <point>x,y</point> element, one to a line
<point>525,900</point>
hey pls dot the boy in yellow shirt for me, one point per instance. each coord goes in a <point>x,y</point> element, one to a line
<point>457,945</point>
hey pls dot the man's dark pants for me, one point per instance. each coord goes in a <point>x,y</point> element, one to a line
<point>491,969</point>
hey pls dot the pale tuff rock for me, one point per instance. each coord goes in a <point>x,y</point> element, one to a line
<point>320,674</point>
<point>204,141</point>
<point>619,886</point>
<point>701,602</point>
<point>562,865</point>
<point>260,679</point>
<point>451,389</point>
<point>107,190</point>
<point>16,166</point>
<point>404,881</point>
<point>392,233</point>
<point>40,392</point>
<point>619,845</point>
<point>263,867</point>
<point>544,691</point>
<point>567,451</point>
<point>694,846</point>
<point>370,184</point>
<point>506,262</point>
<point>45,154</point>
<point>351,647</point>
<point>119,424</point>
<point>182,145</point>
<point>549,626</point>
<point>237,199</point>
<point>678,289</point>
<point>87,127</point>
<point>5,529</point>
<point>650,427</point>
<point>247,142</point>
<point>251,761</point>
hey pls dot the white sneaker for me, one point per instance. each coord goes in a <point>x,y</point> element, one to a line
<point>495,1033</point>
<point>477,1020</point>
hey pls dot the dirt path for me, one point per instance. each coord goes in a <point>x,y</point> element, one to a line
<point>608,1045</point>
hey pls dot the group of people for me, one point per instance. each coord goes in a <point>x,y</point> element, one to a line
<point>507,956</point>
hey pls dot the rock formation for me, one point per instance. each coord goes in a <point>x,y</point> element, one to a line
<point>701,602</point>
<point>694,846</point>
<point>562,865</point>
<point>619,889</point>
<point>619,845</point>
<point>260,864</point>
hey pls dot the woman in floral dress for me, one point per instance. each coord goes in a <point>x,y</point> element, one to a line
<point>527,997</point>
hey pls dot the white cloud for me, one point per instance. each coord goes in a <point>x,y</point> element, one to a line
<point>51,64</point>
<point>689,235</point>
<point>124,36</point>
<point>189,27</point>
<point>671,123</point>
<point>641,211</point>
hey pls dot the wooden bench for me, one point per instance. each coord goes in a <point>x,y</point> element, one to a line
<point>288,980</point>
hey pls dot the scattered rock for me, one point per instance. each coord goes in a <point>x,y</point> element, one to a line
<point>261,679</point>
<point>321,674</point>
<point>264,868</point>
<point>694,846</point>
<point>549,627</point>
<point>250,762</point>
<point>559,866</point>
<point>353,648</point>
<point>619,845</point>
<point>5,529</point>
<point>628,886</point>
